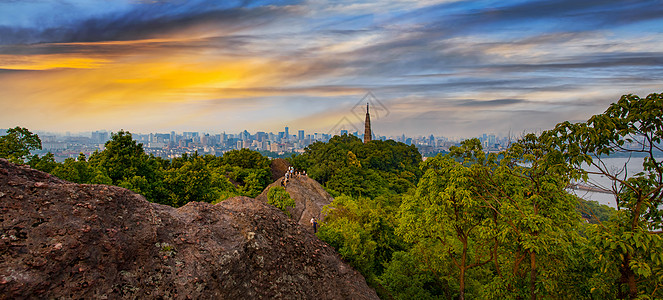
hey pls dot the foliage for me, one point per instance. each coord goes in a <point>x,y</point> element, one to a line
<point>593,211</point>
<point>280,198</point>
<point>345,165</point>
<point>45,163</point>
<point>540,222</point>
<point>405,278</point>
<point>362,230</point>
<point>248,168</point>
<point>246,159</point>
<point>123,158</point>
<point>74,171</point>
<point>190,182</point>
<point>17,144</point>
<point>628,246</point>
<point>449,219</point>
<point>124,163</point>
<point>475,220</point>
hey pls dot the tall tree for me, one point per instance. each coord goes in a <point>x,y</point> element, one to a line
<point>17,144</point>
<point>630,245</point>
<point>123,158</point>
<point>126,164</point>
<point>447,217</point>
<point>536,216</point>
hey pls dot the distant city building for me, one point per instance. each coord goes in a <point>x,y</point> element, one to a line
<point>189,135</point>
<point>100,137</point>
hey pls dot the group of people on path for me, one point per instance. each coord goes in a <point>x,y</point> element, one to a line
<point>290,174</point>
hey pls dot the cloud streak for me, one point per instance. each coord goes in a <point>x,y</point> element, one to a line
<point>445,67</point>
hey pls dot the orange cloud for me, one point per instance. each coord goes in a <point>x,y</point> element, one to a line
<point>48,62</point>
<point>150,83</point>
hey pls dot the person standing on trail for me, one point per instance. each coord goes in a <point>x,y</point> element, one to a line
<point>314,223</point>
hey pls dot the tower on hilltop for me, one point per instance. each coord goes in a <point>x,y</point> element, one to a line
<point>367,127</point>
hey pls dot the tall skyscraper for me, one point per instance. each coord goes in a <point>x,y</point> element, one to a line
<point>287,133</point>
<point>367,127</point>
<point>301,135</point>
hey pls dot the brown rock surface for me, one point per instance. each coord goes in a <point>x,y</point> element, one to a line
<point>278,167</point>
<point>310,197</point>
<point>70,241</point>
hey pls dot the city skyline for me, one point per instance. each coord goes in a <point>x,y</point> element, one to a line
<point>175,144</point>
<point>447,68</point>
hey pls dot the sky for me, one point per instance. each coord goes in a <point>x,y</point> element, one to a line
<point>442,67</point>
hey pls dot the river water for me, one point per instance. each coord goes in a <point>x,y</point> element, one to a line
<point>615,165</point>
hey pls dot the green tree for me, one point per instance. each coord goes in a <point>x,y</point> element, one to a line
<point>74,171</point>
<point>345,165</point>
<point>362,230</point>
<point>448,218</point>
<point>125,163</point>
<point>17,144</point>
<point>405,278</point>
<point>191,182</point>
<point>280,198</point>
<point>249,168</point>
<point>99,177</point>
<point>254,182</point>
<point>195,178</point>
<point>493,224</point>
<point>628,246</point>
<point>536,217</point>
<point>123,158</point>
<point>45,163</point>
<point>246,159</point>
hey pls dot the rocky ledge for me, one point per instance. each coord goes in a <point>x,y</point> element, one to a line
<point>65,240</point>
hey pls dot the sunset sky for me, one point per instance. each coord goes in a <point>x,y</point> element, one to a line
<point>442,67</point>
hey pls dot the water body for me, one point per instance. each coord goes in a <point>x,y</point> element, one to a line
<point>625,167</point>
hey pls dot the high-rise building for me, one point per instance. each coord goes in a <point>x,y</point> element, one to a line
<point>301,135</point>
<point>261,136</point>
<point>287,133</point>
<point>100,137</point>
<point>190,134</point>
<point>367,127</point>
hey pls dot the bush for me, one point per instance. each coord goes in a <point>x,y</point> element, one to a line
<point>280,198</point>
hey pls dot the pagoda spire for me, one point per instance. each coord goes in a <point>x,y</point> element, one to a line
<point>367,127</point>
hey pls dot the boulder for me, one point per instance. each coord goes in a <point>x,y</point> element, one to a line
<point>69,241</point>
<point>278,167</point>
<point>310,198</point>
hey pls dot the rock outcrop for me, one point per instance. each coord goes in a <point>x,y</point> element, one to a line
<point>278,167</point>
<point>310,197</point>
<point>71,241</point>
